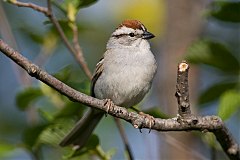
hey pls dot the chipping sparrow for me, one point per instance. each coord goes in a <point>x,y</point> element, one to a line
<point>124,75</point>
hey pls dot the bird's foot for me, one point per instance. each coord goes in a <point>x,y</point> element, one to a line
<point>150,119</point>
<point>108,103</point>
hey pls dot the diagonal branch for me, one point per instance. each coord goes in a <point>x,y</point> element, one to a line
<point>30,5</point>
<point>207,123</point>
<point>79,53</point>
<point>76,49</point>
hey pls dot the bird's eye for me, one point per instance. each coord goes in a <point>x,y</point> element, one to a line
<point>131,34</point>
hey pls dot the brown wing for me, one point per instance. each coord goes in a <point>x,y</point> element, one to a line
<point>96,75</point>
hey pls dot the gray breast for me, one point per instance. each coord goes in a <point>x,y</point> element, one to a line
<point>126,78</point>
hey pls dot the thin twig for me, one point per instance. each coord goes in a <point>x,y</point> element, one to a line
<point>30,5</point>
<point>48,12</point>
<point>59,28</point>
<point>124,138</point>
<point>76,49</point>
<point>79,54</point>
<point>205,124</point>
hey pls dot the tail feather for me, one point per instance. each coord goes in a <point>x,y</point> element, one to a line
<point>80,134</point>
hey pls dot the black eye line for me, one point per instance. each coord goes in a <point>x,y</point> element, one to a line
<point>129,34</point>
<point>120,35</point>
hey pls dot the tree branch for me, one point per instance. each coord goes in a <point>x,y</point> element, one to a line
<point>79,53</point>
<point>76,49</point>
<point>182,92</point>
<point>30,5</point>
<point>76,52</point>
<point>205,124</point>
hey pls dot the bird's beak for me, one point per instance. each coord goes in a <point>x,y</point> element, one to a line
<point>147,35</point>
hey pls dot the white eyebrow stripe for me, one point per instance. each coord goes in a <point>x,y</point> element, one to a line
<point>123,30</point>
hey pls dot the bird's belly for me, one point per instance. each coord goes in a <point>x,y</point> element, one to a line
<point>124,87</point>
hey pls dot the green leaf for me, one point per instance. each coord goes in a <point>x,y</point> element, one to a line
<point>31,135</point>
<point>82,86</point>
<point>225,11</point>
<point>47,39</point>
<point>155,112</point>
<point>46,115</point>
<point>33,34</point>
<point>54,97</point>
<point>213,54</point>
<point>71,109</point>
<point>77,3</point>
<point>6,148</point>
<point>86,3</point>
<point>64,24</point>
<point>50,42</point>
<point>215,91</point>
<point>64,74</point>
<point>71,7</point>
<point>54,133</point>
<point>92,144</point>
<point>229,104</point>
<point>70,76</point>
<point>27,96</point>
<point>67,29</point>
<point>210,139</point>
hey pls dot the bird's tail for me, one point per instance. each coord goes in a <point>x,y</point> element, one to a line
<point>80,134</point>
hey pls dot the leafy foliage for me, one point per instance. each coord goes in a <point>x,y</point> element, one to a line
<point>49,39</point>
<point>227,11</point>
<point>215,91</point>
<point>213,54</point>
<point>27,96</point>
<point>71,7</point>
<point>216,55</point>
<point>219,56</point>
<point>31,134</point>
<point>57,116</point>
<point>54,133</point>
<point>78,3</point>
<point>210,139</point>
<point>6,148</point>
<point>229,104</point>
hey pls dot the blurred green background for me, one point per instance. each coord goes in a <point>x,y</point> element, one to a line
<point>34,118</point>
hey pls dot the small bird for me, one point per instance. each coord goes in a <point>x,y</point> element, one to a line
<point>124,75</point>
